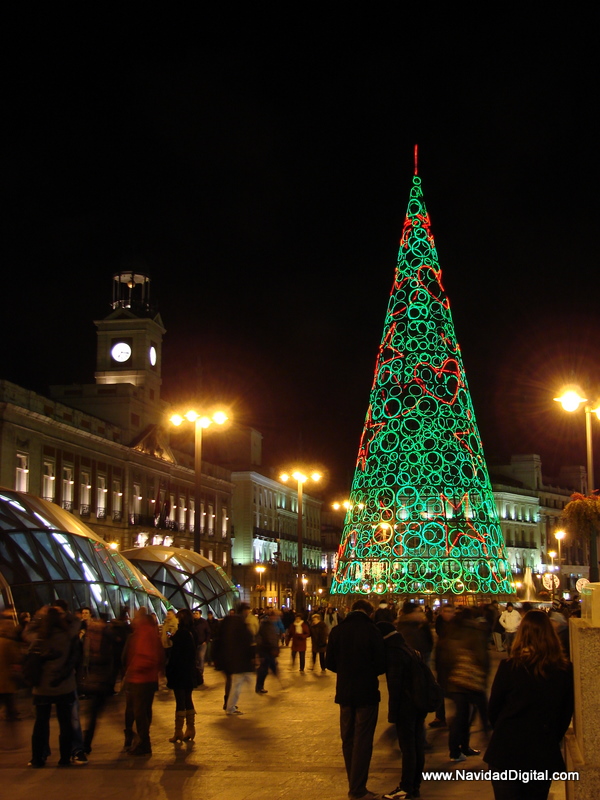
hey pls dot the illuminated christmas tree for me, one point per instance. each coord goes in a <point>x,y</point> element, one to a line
<point>421,516</point>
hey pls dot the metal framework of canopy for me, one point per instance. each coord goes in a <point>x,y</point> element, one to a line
<point>187,579</point>
<point>46,554</point>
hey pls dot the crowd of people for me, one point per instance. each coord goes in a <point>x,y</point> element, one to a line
<point>530,704</point>
<point>66,657</point>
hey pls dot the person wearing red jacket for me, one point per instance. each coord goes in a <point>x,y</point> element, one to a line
<point>143,657</point>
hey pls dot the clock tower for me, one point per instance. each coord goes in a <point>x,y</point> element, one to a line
<point>128,362</point>
<point>129,346</point>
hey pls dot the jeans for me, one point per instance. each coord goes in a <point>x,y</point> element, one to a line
<point>140,697</point>
<point>460,727</point>
<point>200,654</point>
<point>40,738</point>
<point>267,663</point>
<point>302,654</point>
<point>238,679</point>
<point>411,738</point>
<point>357,728</point>
<point>321,660</point>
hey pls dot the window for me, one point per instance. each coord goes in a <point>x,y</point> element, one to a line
<point>101,492</point>
<point>181,514</point>
<point>210,555</point>
<point>224,558</point>
<point>85,494</point>
<point>67,488</point>
<point>192,514</point>
<point>22,474</point>
<point>136,500</point>
<point>117,501</point>
<point>211,521</point>
<point>224,520</point>
<point>49,481</point>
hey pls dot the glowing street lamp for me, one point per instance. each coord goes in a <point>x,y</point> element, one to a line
<point>260,571</point>
<point>571,400</point>
<point>300,478</point>
<point>200,421</point>
<point>347,505</point>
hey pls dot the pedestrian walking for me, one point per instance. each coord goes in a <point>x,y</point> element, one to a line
<point>144,660</point>
<point>94,676</point>
<point>299,632</point>
<point>443,624</point>
<point>202,635</point>
<point>356,653</point>
<point>267,649</point>
<point>234,654</point>
<point>59,653</point>
<point>319,634</point>
<point>510,619</point>
<point>181,676</point>
<point>467,663</point>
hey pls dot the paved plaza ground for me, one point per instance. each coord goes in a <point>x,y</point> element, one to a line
<point>286,745</point>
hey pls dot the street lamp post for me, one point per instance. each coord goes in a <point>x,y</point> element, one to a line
<point>300,478</point>
<point>559,536</point>
<point>260,571</point>
<point>571,401</point>
<point>552,554</point>
<point>200,422</point>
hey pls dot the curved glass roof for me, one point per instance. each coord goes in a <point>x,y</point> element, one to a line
<point>187,579</point>
<point>47,554</point>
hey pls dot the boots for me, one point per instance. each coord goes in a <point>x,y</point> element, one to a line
<point>178,735</point>
<point>190,728</point>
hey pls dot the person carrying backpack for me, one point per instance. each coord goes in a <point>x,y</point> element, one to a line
<point>411,695</point>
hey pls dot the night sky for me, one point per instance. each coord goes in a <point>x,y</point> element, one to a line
<point>259,167</point>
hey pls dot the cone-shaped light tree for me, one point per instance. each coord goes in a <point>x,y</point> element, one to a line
<point>421,515</point>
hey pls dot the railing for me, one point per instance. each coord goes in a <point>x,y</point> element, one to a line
<point>67,505</point>
<point>117,516</point>
<point>84,511</point>
<point>153,522</point>
<point>100,513</point>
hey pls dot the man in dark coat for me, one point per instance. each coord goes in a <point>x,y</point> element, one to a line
<point>235,653</point>
<point>267,649</point>
<point>356,652</point>
<point>403,713</point>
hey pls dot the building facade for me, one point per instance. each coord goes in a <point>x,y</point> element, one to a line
<point>103,451</point>
<point>530,507</point>
<point>265,545</point>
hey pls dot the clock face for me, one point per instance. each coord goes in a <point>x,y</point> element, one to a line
<point>121,352</point>
<point>152,356</point>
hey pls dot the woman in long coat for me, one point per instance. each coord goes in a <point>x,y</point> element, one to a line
<point>530,708</point>
<point>299,632</point>
<point>181,676</point>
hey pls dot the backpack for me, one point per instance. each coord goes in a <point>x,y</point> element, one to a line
<point>425,691</point>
